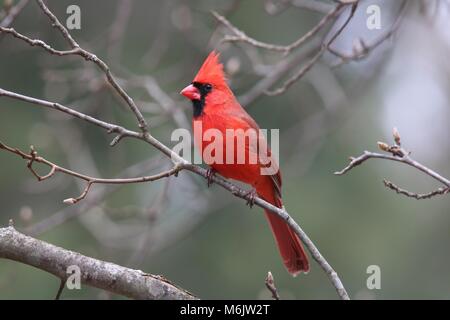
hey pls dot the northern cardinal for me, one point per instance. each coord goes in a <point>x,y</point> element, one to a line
<point>216,107</point>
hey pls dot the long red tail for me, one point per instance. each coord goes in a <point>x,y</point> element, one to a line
<point>289,244</point>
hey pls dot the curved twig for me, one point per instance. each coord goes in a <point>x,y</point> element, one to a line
<point>398,154</point>
<point>33,157</point>
<point>240,36</point>
<point>306,67</point>
<point>366,48</point>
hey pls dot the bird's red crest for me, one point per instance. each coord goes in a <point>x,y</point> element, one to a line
<point>211,71</point>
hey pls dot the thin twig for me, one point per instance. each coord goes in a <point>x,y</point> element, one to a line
<point>77,50</point>
<point>364,49</point>
<point>240,36</point>
<point>283,214</point>
<point>40,43</point>
<point>405,159</point>
<point>33,157</point>
<point>95,198</point>
<point>418,196</point>
<point>312,5</point>
<point>308,65</point>
<point>278,71</point>
<point>111,128</point>
<point>398,154</point>
<point>270,285</point>
<point>62,284</point>
<point>13,13</point>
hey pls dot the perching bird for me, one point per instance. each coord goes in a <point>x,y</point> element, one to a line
<point>215,107</point>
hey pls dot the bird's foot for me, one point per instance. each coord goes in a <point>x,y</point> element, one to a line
<point>251,196</point>
<point>210,173</point>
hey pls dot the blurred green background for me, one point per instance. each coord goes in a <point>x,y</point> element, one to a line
<point>205,240</point>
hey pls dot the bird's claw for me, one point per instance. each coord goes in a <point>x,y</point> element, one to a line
<point>251,197</point>
<point>210,173</point>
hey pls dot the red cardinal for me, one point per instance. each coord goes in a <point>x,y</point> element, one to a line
<point>216,107</point>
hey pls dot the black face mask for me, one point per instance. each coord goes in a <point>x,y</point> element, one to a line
<point>199,104</point>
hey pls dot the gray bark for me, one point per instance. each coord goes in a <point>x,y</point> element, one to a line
<point>96,273</point>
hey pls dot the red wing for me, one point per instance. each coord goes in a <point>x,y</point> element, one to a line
<point>245,121</point>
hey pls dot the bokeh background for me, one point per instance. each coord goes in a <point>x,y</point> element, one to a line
<point>205,240</point>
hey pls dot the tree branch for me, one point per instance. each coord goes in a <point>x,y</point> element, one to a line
<point>309,64</point>
<point>33,157</point>
<point>312,5</point>
<point>418,196</point>
<point>108,276</point>
<point>240,36</point>
<point>77,50</point>
<point>95,198</point>
<point>270,285</point>
<point>364,49</point>
<point>278,71</point>
<point>13,13</point>
<point>283,214</point>
<point>398,154</point>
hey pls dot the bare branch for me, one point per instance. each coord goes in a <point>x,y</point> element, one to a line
<point>312,5</point>
<point>95,198</point>
<point>108,276</point>
<point>33,157</point>
<point>240,36</point>
<point>405,159</point>
<point>364,49</point>
<point>314,59</point>
<point>58,25</point>
<point>279,70</point>
<point>165,102</point>
<point>111,128</point>
<point>354,162</point>
<point>53,105</point>
<point>418,196</point>
<point>306,67</point>
<point>77,50</point>
<point>398,154</point>
<point>13,13</point>
<point>62,284</point>
<point>283,214</point>
<point>40,43</point>
<point>270,284</point>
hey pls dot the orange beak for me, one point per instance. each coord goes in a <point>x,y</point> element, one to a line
<point>191,92</point>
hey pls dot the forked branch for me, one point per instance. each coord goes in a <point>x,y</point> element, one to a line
<point>33,157</point>
<point>396,153</point>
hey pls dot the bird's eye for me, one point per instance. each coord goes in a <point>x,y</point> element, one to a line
<point>208,87</point>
